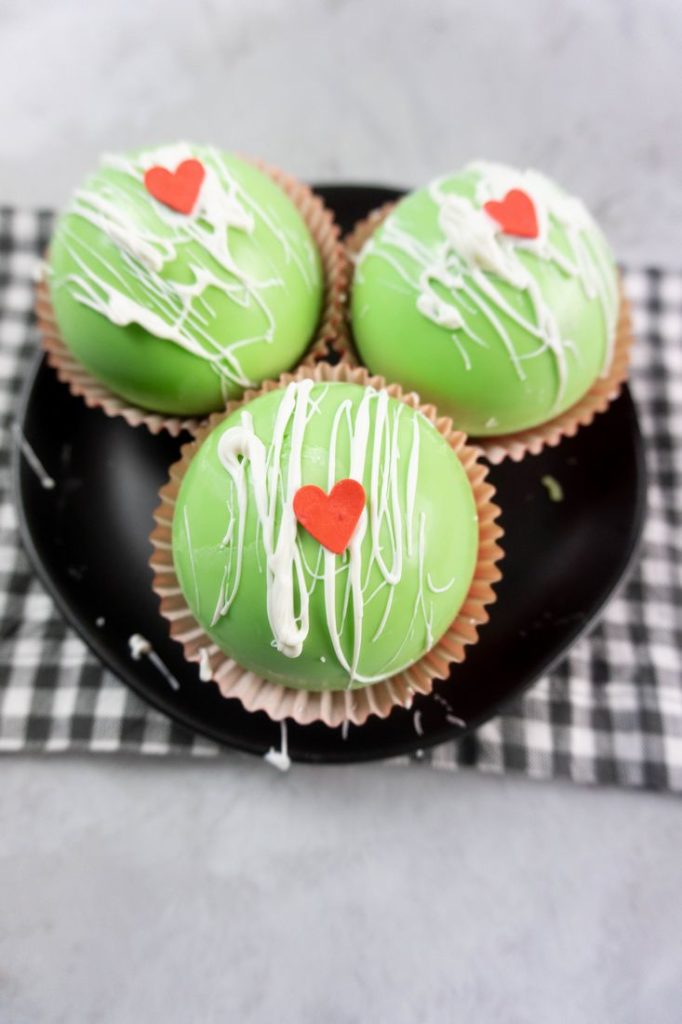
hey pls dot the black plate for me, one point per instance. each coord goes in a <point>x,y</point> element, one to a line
<point>88,540</point>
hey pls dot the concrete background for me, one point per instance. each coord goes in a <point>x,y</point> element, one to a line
<point>138,890</point>
<point>394,92</point>
<point>136,893</point>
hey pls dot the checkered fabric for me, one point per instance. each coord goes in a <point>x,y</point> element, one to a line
<point>611,713</point>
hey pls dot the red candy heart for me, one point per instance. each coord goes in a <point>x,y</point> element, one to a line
<point>515,214</point>
<point>178,189</point>
<point>330,518</point>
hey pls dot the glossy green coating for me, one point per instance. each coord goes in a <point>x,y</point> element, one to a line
<point>439,569</point>
<point>266,284</point>
<point>476,381</point>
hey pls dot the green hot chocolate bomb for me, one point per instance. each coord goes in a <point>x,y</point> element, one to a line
<point>181,275</point>
<point>268,593</point>
<point>493,294</point>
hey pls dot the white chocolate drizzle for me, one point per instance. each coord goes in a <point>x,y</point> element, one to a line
<point>366,436</point>
<point>140,647</point>
<point>280,759</point>
<point>205,670</point>
<point>149,242</point>
<point>459,276</point>
<point>450,717</point>
<point>44,478</point>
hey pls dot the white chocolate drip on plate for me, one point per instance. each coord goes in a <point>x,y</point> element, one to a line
<point>205,670</point>
<point>366,436</point>
<point>280,759</point>
<point>140,647</point>
<point>150,241</point>
<point>457,280</point>
<point>46,481</point>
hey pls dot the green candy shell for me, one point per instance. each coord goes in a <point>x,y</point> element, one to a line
<point>475,381</point>
<point>152,371</point>
<point>444,510</point>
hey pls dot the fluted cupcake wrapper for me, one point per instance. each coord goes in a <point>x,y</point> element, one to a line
<point>338,706</point>
<point>330,333</point>
<point>517,445</point>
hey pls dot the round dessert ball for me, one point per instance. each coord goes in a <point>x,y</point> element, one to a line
<point>493,294</point>
<point>179,276</point>
<point>325,535</point>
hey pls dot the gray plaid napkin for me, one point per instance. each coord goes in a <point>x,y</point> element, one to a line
<point>612,712</point>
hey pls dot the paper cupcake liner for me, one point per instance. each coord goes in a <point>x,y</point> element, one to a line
<point>330,333</point>
<point>338,706</point>
<point>517,445</point>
